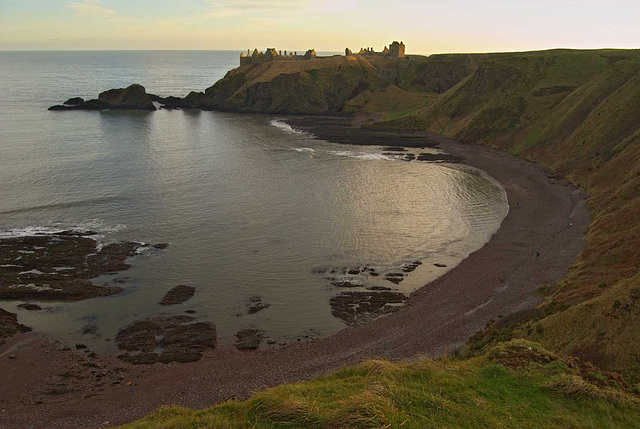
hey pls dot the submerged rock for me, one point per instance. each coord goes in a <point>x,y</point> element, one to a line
<point>178,295</point>
<point>30,307</point>
<point>255,304</point>
<point>166,339</point>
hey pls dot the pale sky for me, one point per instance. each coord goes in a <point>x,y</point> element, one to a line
<point>327,25</point>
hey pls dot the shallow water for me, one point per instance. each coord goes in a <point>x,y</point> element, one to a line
<point>249,206</point>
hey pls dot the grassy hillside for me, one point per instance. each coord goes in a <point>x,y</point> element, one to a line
<point>578,113</point>
<point>516,384</point>
<point>335,85</point>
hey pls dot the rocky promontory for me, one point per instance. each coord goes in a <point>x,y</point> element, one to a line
<point>329,85</point>
<point>133,97</point>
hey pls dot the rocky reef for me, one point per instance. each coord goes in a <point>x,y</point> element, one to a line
<point>166,339</point>
<point>133,97</point>
<point>59,266</point>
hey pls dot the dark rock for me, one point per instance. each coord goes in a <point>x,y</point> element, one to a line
<point>190,311</point>
<point>134,97</point>
<point>359,308</point>
<point>59,266</point>
<point>378,288</point>
<point>341,130</point>
<point>161,246</point>
<point>74,101</point>
<point>255,304</point>
<point>394,277</point>
<point>166,339</point>
<point>439,157</point>
<point>74,233</point>
<point>440,265</point>
<point>81,346</point>
<point>345,283</point>
<point>410,267</point>
<point>9,326</point>
<point>248,339</point>
<point>178,295</point>
<point>395,149</point>
<point>12,357</point>
<point>30,307</point>
<point>87,105</point>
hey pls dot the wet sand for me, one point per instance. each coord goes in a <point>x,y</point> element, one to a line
<point>538,240</point>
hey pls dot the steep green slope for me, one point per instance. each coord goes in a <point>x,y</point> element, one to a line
<point>327,85</point>
<point>516,384</point>
<point>578,113</point>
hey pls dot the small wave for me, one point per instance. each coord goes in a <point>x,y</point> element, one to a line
<point>278,123</point>
<point>304,149</point>
<point>93,225</point>
<point>68,204</point>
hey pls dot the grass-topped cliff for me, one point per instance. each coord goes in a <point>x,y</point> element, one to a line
<point>515,384</point>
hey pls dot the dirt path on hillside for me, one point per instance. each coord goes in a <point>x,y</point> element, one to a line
<point>538,240</point>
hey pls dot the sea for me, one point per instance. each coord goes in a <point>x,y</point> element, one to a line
<point>249,206</point>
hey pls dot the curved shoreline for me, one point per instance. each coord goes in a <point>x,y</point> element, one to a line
<point>545,218</point>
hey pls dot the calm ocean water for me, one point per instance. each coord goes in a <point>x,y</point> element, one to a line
<point>248,206</point>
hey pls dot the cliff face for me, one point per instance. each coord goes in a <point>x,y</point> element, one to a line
<point>313,87</point>
<point>326,86</point>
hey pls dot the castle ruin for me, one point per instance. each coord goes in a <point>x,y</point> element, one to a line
<point>395,50</point>
<point>271,54</point>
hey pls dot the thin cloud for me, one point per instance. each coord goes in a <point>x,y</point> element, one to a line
<point>91,8</point>
<point>227,8</point>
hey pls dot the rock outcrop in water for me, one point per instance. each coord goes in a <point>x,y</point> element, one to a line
<point>166,339</point>
<point>133,97</point>
<point>59,266</point>
<point>178,295</point>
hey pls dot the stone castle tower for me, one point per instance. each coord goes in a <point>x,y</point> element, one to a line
<point>396,50</point>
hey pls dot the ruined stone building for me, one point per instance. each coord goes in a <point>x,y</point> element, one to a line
<point>272,55</point>
<point>395,50</point>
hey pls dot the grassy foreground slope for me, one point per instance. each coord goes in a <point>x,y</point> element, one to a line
<point>515,384</point>
<point>577,113</point>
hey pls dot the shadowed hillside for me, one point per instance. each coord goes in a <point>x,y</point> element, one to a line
<point>578,113</point>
